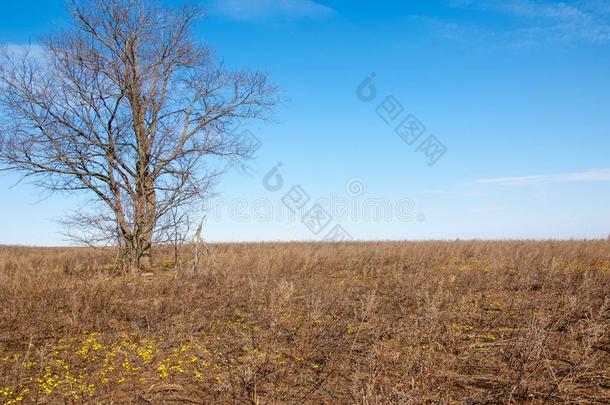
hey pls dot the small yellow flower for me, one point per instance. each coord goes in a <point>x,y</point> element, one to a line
<point>163,371</point>
<point>29,364</point>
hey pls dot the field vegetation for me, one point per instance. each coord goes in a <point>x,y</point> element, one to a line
<point>468,322</point>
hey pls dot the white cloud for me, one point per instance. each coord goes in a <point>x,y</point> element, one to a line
<point>531,9</point>
<point>262,9</point>
<point>597,6</point>
<point>588,176</point>
<point>570,21</point>
<point>33,50</point>
<point>455,193</point>
<point>490,208</point>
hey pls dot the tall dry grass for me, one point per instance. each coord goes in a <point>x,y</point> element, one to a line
<point>475,322</point>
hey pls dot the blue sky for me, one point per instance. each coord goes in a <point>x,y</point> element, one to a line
<point>515,90</point>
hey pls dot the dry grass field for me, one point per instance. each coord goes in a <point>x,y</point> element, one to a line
<point>429,322</point>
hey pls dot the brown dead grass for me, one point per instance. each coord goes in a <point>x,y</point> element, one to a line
<point>474,322</point>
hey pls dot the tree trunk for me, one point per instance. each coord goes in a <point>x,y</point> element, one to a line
<point>145,263</point>
<point>137,251</point>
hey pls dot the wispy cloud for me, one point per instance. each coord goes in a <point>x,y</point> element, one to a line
<point>598,6</point>
<point>264,9</point>
<point>490,208</point>
<point>556,11</point>
<point>32,52</point>
<point>455,193</point>
<point>20,50</point>
<point>520,181</point>
<point>536,22</point>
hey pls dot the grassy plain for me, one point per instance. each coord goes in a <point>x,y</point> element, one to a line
<point>468,322</point>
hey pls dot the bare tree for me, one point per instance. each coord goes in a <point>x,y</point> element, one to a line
<point>126,107</point>
<point>176,232</point>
